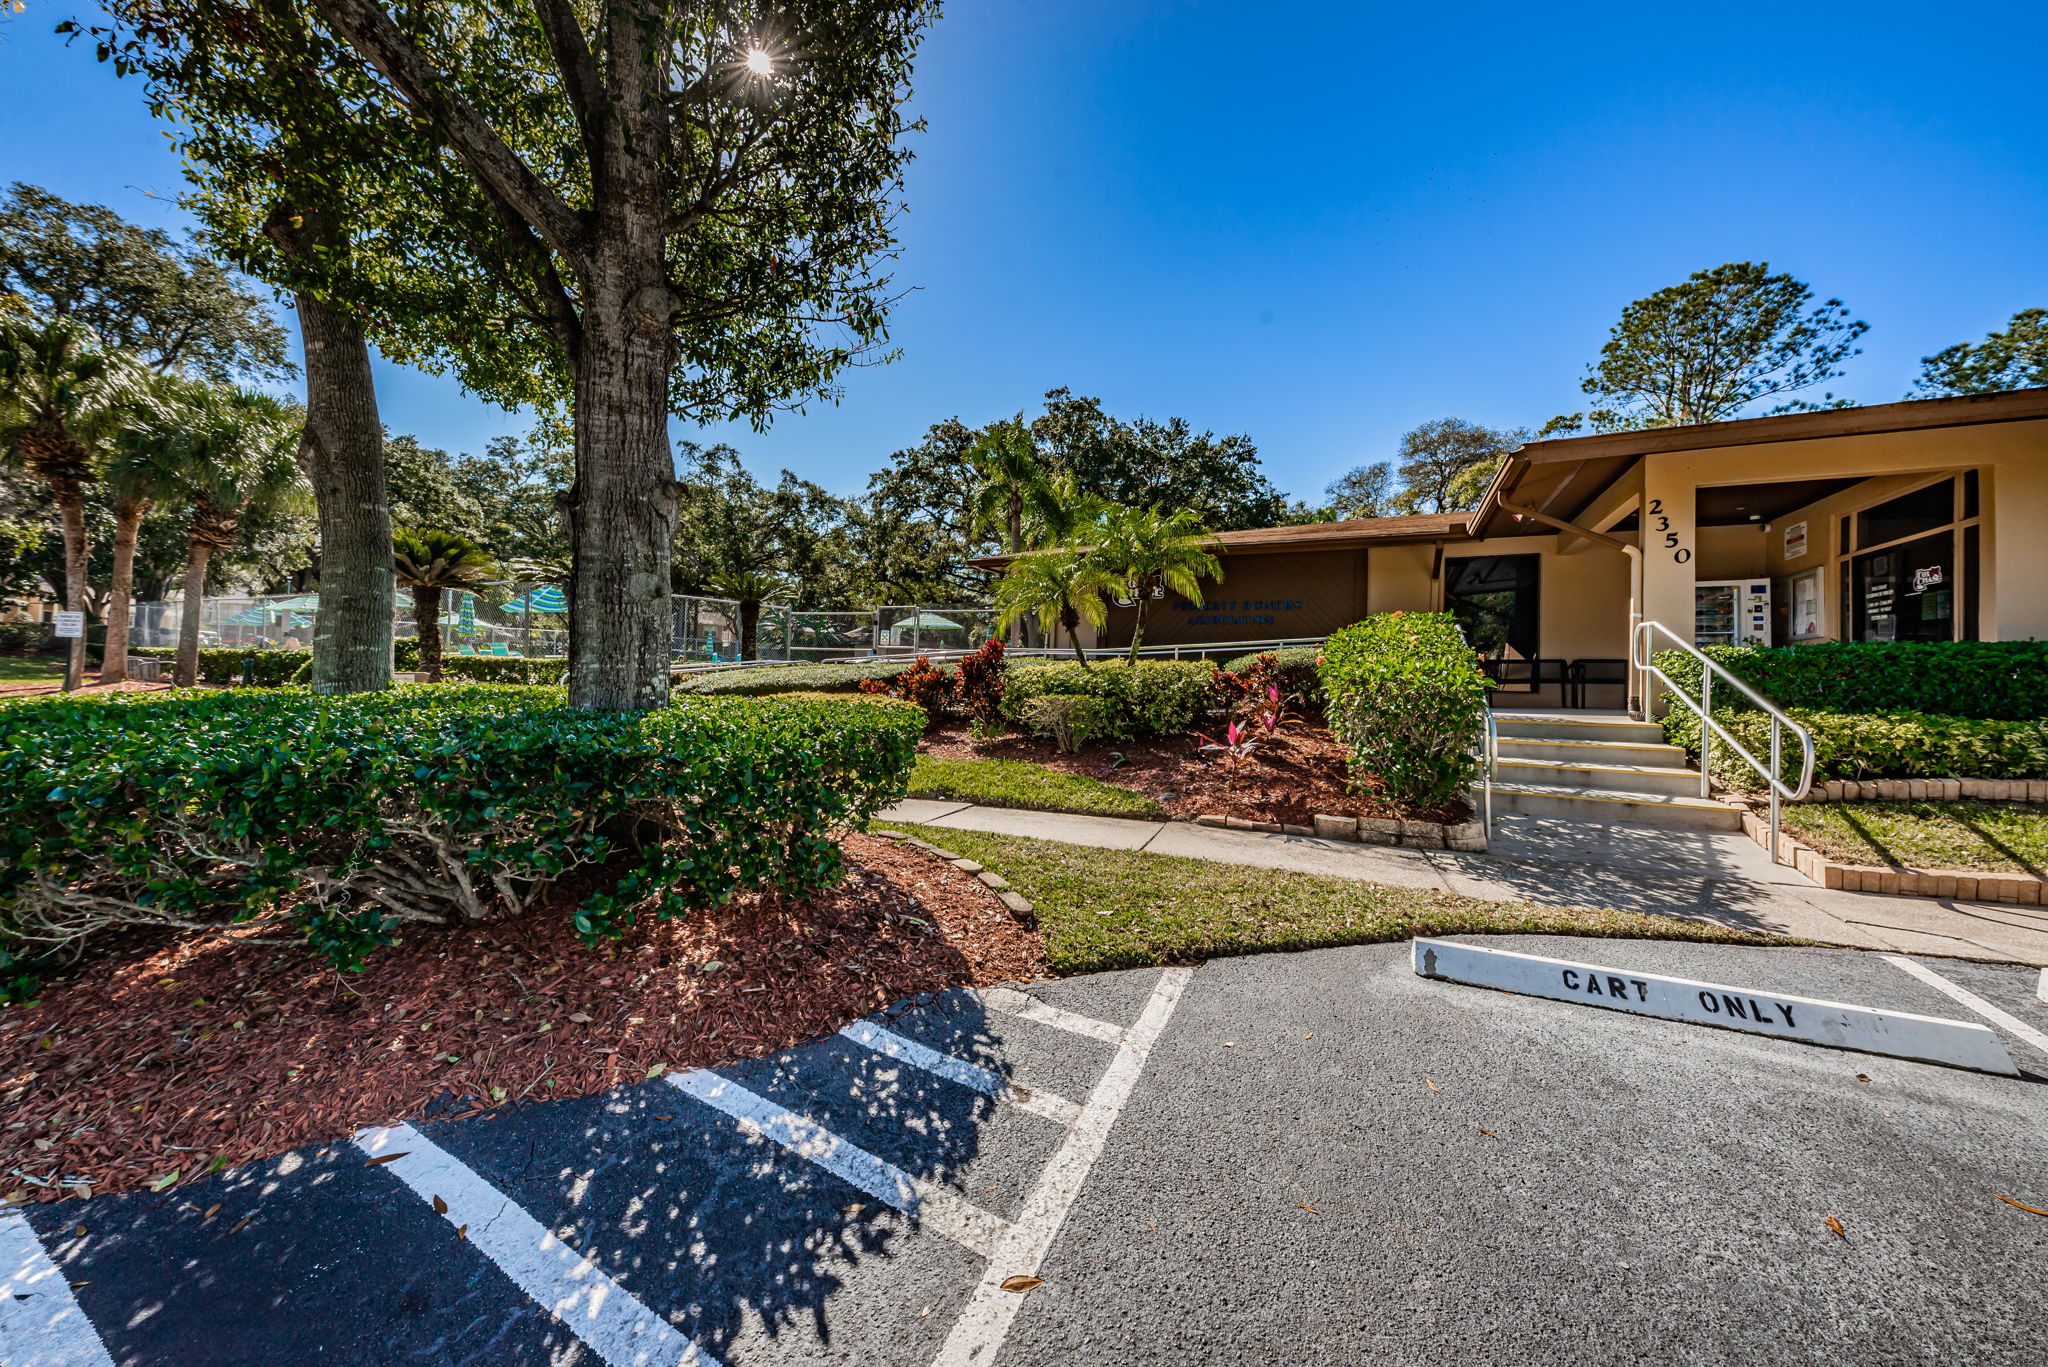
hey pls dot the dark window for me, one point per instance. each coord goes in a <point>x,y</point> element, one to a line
<point>1494,598</point>
<point>1969,493</point>
<point>1907,593</point>
<point>1908,515</point>
<point>1843,548</point>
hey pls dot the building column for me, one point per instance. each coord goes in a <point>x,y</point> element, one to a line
<point>1670,544</point>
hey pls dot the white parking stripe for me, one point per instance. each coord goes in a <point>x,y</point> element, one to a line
<point>1030,1008</point>
<point>593,1307</point>
<point>1971,1000</point>
<point>939,1209</point>
<point>40,1323</point>
<point>979,1332</point>
<point>987,1081</point>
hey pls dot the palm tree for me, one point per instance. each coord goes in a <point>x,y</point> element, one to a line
<point>140,471</point>
<point>61,397</point>
<point>750,588</point>
<point>232,457</point>
<point>430,561</point>
<point>1151,552</point>
<point>1011,478</point>
<point>1060,586</point>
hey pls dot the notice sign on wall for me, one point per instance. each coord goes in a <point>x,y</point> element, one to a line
<point>70,624</point>
<point>1795,540</point>
<point>1929,1039</point>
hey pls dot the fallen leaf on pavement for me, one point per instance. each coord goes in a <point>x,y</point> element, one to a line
<point>1491,1135</point>
<point>462,1231</point>
<point>211,1211</point>
<point>1230,1044</point>
<point>387,1158</point>
<point>1836,1226</point>
<point>1310,1209</point>
<point>1863,1077</point>
<point>1022,1284</point>
<point>2009,1201</point>
<point>440,1206</point>
<point>1431,1085</point>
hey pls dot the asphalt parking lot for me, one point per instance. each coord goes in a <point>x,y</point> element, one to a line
<point>1307,1158</point>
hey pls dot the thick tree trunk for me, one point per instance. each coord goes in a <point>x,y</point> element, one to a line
<point>426,616</point>
<point>196,556</point>
<point>71,514</point>
<point>342,455</point>
<point>750,628</point>
<point>622,513</point>
<point>121,588</point>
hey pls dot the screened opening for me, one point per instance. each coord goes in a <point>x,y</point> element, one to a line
<point>1494,598</point>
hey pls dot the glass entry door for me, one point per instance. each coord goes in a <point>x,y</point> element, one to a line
<point>1906,592</point>
<point>1494,599</point>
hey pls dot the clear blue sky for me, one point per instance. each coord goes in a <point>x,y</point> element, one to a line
<point>1322,224</point>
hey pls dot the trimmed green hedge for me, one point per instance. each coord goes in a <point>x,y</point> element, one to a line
<point>1296,666</point>
<point>2005,680</point>
<point>338,819</point>
<point>223,665</point>
<point>1408,700</point>
<point>1150,698</point>
<point>1863,745</point>
<point>830,677</point>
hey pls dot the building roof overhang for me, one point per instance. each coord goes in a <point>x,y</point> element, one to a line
<point>1560,478</point>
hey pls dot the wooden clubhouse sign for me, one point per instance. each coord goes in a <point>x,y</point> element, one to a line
<point>1928,1039</point>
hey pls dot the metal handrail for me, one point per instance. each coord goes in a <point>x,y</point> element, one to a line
<point>1643,657</point>
<point>1491,758</point>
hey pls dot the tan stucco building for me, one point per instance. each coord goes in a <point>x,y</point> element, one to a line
<point>1925,520</point>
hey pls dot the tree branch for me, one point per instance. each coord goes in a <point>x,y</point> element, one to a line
<point>363,25</point>
<point>580,76</point>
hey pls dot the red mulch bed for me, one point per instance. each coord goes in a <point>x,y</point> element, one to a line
<point>199,1054</point>
<point>1294,774</point>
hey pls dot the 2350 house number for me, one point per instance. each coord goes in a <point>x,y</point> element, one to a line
<point>1679,554</point>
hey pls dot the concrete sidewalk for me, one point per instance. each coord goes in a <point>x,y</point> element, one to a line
<point>1700,875</point>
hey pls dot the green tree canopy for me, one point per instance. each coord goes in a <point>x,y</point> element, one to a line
<point>171,307</point>
<point>686,204</point>
<point>2016,358</point>
<point>1445,465</point>
<point>1704,350</point>
<point>1145,463</point>
<point>1364,491</point>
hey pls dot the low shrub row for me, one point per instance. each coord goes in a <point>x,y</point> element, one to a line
<point>1866,745</point>
<point>224,665</point>
<point>1151,698</point>
<point>1406,697</point>
<point>339,820</point>
<point>27,638</point>
<point>839,676</point>
<point>2004,680</point>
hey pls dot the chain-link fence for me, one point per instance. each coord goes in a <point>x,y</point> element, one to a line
<point>532,620</point>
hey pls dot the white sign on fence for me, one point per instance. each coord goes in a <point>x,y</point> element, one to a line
<point>1928,1039</point>
<point>70,623</point>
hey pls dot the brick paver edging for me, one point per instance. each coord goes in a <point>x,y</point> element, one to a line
<point>1369,830</point>
<point>1960,885</point>
<point>995,882</point>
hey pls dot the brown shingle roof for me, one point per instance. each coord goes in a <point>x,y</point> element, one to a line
<point>1356,531</point>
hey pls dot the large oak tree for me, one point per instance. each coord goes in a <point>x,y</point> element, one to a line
<point>681,203</point>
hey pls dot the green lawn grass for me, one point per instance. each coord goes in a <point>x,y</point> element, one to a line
<point>20,670</point>
<point>1988,837</point>
<point>1015,783</point>
<point>1101,909</point>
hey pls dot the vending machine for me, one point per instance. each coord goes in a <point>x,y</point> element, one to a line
<point>1732,612</point>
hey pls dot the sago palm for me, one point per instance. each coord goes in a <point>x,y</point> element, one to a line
<point>62,396</point>
<point>1152,553</point>
<point>750,588</point>
<point>1060,587</point>
<point>430,561</point>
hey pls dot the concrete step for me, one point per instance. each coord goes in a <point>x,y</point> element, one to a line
<point>1564,726</point>
<point>1594,752</point>
<point>1601,804</point>
<point>1624,778</point>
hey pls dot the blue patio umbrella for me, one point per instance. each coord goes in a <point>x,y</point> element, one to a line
<point>546,598</point>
